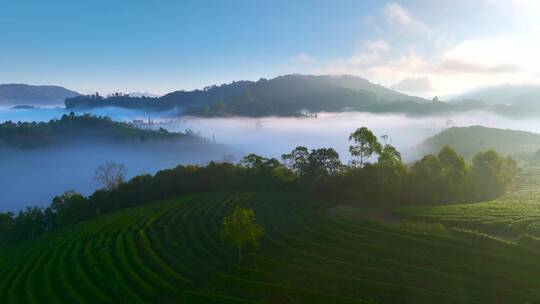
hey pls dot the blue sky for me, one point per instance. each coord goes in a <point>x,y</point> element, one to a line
<point>421,47</point>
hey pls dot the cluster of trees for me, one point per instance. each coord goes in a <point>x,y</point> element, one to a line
<point>71,127</point>
<point>376,175</point>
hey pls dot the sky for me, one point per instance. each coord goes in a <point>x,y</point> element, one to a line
<point>423,48</point>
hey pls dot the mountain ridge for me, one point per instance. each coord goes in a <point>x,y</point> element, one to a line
<point>283,95</point>
<point>13,94</point>
<point>508,94</point>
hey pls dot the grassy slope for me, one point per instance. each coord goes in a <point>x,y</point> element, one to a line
<point>514,214</point>
<point>170,252</point>
<point>471,140</point>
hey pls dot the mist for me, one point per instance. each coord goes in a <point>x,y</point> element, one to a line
<point>274,136</point>
<point>34,177</point>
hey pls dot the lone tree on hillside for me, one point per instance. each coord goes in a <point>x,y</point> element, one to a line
<point>110,175</point>
<point>366,145</point>
<point>240,229</point>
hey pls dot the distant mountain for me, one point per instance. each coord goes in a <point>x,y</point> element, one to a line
<point>142,94</point>
<point>283,95</point>
<point>470,140</point>
<point>357,83</point>
<point>293,95</point>
<point>23,94</point>
<point>523,95</point>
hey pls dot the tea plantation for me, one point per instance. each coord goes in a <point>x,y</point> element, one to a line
<point>512,215</point>
<point>171,252</point>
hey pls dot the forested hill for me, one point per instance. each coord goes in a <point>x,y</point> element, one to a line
<point>283,95</point>
<point>71,129</point>
<point>471,140</point>
<point>293,95</point>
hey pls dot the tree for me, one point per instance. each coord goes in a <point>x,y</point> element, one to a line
<point>30,223</point>
<point>366,144</point>
<point>297,160</point>
<point>7,225</point>
<point>389,155</point>
<point>426,180</point>
<point>110,175</point>
<point>324,161</point>
<point>67,209</point>
<point>253,161</point>
<point>454,174</point>
<point>318,162</point>
<point>492,175</point>
<point>240,229</point>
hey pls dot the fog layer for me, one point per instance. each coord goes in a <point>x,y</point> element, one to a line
<point>34,177</point>
<point>275,136</point>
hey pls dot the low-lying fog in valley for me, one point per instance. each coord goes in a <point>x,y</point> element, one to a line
<point>52,171</point>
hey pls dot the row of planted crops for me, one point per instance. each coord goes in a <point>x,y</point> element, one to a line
<point>171,252</point>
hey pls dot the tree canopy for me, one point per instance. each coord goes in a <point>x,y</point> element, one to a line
<point>241,230</point>
<point>434,179</point>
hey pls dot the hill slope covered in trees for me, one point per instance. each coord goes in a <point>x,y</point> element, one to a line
<point>72,129</point>
<point>471,140</point>
<point>292,95</point>
<point>283,95</point>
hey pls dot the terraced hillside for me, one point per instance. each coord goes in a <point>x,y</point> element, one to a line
<point>170,252</point>
<point>514,214</point>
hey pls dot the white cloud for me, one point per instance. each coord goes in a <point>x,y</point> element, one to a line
<point>410,54</point>
<point>378,45</point>
<point>412,84</point>
<point>303,58</point>
<point>401,19</point>
<point>458,66</point>
<point>371,53</point>
<point>462,67</point>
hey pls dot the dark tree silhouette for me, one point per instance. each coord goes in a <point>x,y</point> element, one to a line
<point>110,175</point>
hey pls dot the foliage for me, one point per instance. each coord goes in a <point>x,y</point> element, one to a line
<point>294,95</point>
<point>530,241</point>
<point>423,227</point>
<point>241,230</point>
<point>366,144</point>
<point>315,163</point>
<point>170,252</point>
<point>435,179</point>
<point>110,175</point>
<point>66,209</point>
<point>71,128</point>
<point>468,141</point>
<point>513,214</point>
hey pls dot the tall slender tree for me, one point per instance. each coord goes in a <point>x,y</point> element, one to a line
<point>366,144</point>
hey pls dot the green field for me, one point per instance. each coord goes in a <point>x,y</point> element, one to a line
<point>170,252</point>
<point>512,215</point>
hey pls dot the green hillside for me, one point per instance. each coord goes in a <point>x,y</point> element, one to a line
<point>170,252</point>
<point>512,215</point>
<point>72,129</point>
<point>471,140</point>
